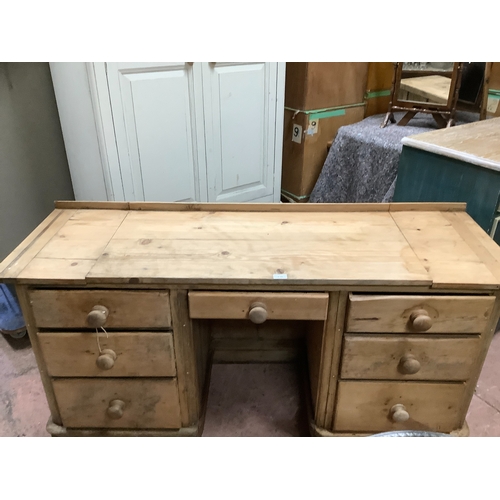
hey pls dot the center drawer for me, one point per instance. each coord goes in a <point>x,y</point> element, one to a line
<point>124,308</point>
<point>123,354</point>
<point>115,403</point>
<point>258,307</point>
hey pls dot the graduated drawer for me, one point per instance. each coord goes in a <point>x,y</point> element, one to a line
<point>127,308</point>
<point>118,403</point>
<point>418,313</point>
<point>136,354</point>
<point>241,305</point>
<point>368,406</point>
<point>408,357</point>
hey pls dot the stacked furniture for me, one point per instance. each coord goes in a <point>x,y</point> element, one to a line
<point>319,99</point>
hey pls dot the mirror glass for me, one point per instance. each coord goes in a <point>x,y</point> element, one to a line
<point>428,82</point>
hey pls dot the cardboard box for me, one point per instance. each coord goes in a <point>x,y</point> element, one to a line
<point>312,85</point>
<point>305,147</point>
<point>378,87</point>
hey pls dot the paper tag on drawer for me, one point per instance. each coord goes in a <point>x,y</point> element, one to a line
<point>280,276</point>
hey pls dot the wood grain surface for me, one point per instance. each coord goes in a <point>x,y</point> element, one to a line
<point>236,305</point>
<point>127,308</point>
<point>392,313</point>
<point>138,354</point>
<point>311,244</point>
<point>149,403</point>
<point>373,357</point>
<point>366,406</point>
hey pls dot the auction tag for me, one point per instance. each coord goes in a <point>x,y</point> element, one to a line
<point>313,127</point>
<point>280,276</point>
<point>492,105</point>
<point>297,133</point>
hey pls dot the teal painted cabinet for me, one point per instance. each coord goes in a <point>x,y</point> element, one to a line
<point>426,176</point>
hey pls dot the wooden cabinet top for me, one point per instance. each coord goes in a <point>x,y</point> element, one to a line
<point>477,143</point>
<point>429,245</point>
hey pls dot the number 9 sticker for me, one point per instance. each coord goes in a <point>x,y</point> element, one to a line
<point>297,133</point>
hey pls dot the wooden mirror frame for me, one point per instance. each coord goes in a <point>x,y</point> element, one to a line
<point>444,114</point>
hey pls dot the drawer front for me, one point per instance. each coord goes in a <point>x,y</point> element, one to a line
<point>123,354</point>
<point>418,314</point>
<point>127,309</point>
<point>243,305</point>
<point>370,406</point>
<point>408,358</point>
<point>115,403</point>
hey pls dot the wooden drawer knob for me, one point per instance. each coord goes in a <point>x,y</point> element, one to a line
<point>420,320</point>
<point>399,413</point>
<point>98,316</point>
<point>115,409</point>
<point>106,359</point>
<point>257,313</point>
<point>409,364</point>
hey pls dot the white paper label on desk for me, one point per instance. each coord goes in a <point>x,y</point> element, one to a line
<point>280,276</point>
<point>297,133</point>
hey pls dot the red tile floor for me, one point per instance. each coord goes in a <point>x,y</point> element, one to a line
<point>244,400</point>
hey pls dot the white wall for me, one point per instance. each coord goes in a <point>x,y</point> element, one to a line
<point>33,165</point>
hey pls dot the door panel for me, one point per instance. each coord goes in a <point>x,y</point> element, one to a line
<point>158,120</point>
<point>240,109</point>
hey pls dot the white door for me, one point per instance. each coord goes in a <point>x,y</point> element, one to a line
<point>240,124</point>
<point>158,121</point>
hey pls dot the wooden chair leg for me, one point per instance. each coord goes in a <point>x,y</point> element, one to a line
<point>486,86</point>
<point>441,122</point>
<point>388,116</point>
<point>406,118</point>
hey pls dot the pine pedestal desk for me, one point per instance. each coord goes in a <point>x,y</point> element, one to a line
<point>127,305</point>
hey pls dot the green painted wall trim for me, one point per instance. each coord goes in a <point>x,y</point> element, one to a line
<point>378,93</point>
<point>327,114</point>
<point>323,110</point>
<point>294,196</point>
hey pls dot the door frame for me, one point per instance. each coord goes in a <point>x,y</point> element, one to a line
<point>101,102</point>
<point>278,130</point>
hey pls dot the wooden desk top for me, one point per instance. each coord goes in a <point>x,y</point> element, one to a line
<point>429,245</point>
<point>477,143</point>
<point>436,88</point>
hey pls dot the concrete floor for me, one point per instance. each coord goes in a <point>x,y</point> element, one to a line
<point>244,400</point>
